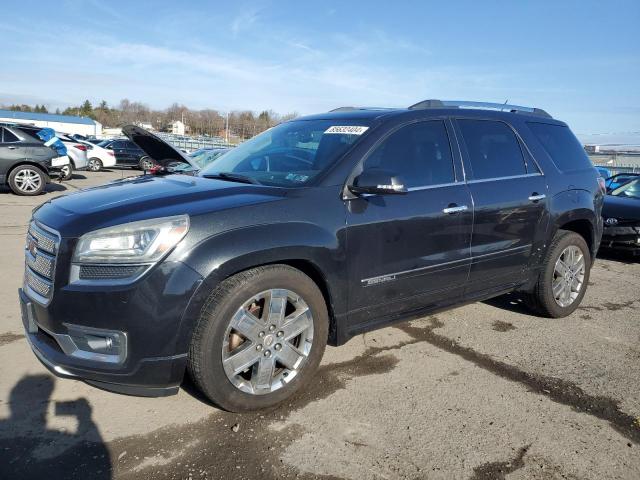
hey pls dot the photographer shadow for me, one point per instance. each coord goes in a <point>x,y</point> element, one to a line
<point>28,449</point>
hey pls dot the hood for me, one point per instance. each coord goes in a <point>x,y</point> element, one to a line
<point>147,196</point>
<point>160,151</point>
<point>621,208</point>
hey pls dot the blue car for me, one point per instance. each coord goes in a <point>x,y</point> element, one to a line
<point>604,172</point>
<point>618,180</point>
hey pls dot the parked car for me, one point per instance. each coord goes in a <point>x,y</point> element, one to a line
<point>127,154</point>
<point>314,231</point>
<point>621,214</point>
<point>616,181</point>
<point>26,163</point>
<point>604,172</point>
<point>77,152</point>
<point>99,157</point>
<point>205,156</point>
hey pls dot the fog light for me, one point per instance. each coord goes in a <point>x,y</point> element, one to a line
<point>96,344</point>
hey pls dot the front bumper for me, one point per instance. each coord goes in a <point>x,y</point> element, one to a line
<point>149,312</point>
<point>622,238</point>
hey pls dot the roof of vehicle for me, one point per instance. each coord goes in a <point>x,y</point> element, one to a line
<point>45,117</point>
<point>436,108</point>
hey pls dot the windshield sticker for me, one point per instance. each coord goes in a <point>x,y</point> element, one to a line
<point>347,130</point>
<point>297,177</point>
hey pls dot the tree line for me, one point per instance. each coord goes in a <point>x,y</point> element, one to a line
<point>242,124</point>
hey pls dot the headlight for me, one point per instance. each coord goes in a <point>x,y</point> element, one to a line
<point>146,241</point>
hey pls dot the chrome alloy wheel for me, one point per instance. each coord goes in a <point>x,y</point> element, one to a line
<point>568,276</point>
<point>95,165</point>
<point>267,341</point>
<point>28,180</point>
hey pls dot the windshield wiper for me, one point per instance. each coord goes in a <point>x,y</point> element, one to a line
<point>233,177</point>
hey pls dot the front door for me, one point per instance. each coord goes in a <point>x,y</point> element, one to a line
<point>509,196</point>
<point>408,250</point>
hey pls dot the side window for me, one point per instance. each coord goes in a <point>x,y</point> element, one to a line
<point>561,145</point>
<point>118,144</point>
<point>419,152</point>
<point>8,137</point>
<point>494,150</point>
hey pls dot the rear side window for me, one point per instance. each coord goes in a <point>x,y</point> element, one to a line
<point>494,150</point>
<point>420,152</point>
<point>562,146</point>
<point>8,137</point>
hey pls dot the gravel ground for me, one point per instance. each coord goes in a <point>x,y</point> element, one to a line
<point>485,391</point>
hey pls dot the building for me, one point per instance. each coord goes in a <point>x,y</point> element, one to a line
<point>60,123</point>
<point>177,127</point>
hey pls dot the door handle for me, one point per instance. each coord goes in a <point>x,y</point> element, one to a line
<point>453,208</point>
<point>535,197</point>
<point>11,147</point>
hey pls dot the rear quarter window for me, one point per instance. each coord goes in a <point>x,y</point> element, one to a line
<point>562,146</point>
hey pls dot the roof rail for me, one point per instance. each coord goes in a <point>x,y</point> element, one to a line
<point>350,109</point>
<point>480,105</point>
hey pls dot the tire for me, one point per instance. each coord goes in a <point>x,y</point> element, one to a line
<point>145,164</point>
<point>27,180</point>
<point>95,164</point>
<point>213,337</point>
<point>67,172</point>
<point>542,298</point>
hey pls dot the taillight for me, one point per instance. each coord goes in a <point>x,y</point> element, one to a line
<point>81,147</point>
<point>111,153</point>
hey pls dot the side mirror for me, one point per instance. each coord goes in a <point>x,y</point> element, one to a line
<point>378,182</point>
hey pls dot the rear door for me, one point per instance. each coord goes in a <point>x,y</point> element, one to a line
<point>407,251</point>
<point>509,197</point>
<point>121,152</point>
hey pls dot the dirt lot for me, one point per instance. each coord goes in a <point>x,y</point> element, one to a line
<point>480,392</point>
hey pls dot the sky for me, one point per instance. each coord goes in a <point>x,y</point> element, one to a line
<point>579,60</point>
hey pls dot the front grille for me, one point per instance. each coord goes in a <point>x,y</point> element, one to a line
<point>109,272</point>
<point>40,261</point>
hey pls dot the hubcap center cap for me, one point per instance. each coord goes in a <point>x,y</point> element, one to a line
<point>268,340</point>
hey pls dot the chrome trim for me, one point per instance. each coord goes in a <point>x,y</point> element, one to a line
<point>429,187</point>
<point>393,276</point>
<point>493,179</point>
<point>461,208</point>
<point>535,198</point>
<point>74,275</point>
<point>48,244</point>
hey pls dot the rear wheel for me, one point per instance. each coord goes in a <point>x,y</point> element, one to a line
<point>259,338</point>
<point>145,164</point>
<point>95,164</point>
<point>27,180</point>
<point>563,280</point>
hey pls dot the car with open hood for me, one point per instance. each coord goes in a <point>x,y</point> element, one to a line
<point>621,213</point>
<point>316,230</point>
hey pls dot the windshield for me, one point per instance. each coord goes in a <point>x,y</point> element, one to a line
<point>204,157</point>
<point>630,189</point>
<point>292,153</point>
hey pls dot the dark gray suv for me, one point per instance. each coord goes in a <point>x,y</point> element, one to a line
<point>25,162</point>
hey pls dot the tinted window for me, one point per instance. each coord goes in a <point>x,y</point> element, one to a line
<point>419,152</point>
<point>9,137</point>
<point>493,149</point>
<point>561,145</point>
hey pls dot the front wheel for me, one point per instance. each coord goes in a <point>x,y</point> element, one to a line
<point>563,280</point>
<point>259,338</point>
<point>145,164</point>
<point>66,172</point>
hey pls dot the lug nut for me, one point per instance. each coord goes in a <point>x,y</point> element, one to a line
<point>267,353</point>
<point>261,334</point>
<point>272,328</point>
<point>278,347</point>
<point>280,333</point>
<point>259,348</point>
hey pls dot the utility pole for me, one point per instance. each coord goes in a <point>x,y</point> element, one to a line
<point>226,130</point>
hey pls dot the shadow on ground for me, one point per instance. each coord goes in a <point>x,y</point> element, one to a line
<point>30,450</point>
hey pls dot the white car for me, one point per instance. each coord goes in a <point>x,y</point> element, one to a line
<point>77,153</point>
<point>99,157</point>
